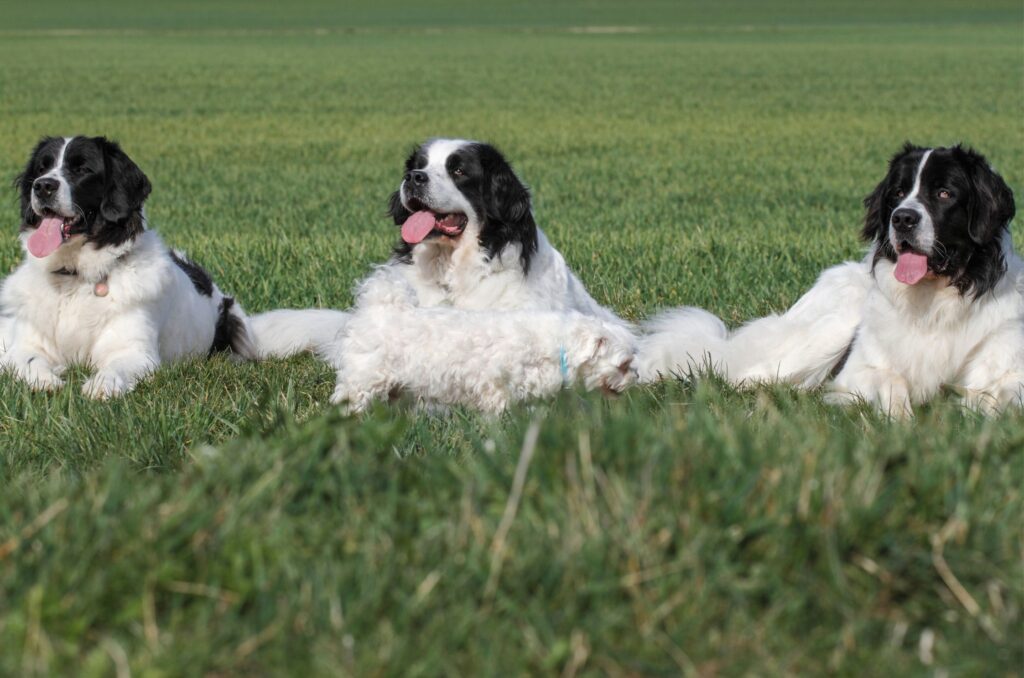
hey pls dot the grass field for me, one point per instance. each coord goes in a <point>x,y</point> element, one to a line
<point>225,520</point>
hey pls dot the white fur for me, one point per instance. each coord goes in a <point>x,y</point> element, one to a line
<point>286,332</point>
<point>911,341</point>
<point>484,359</point>
<point>799,347</point>
<point>151,315</point>
<point>432,328</point>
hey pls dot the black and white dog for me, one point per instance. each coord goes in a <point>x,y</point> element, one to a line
<point>98,287</point>
<point>937,303</point>
<point>468,241</point>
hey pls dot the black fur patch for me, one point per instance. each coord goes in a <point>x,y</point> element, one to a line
<point>841,363</point>
<point>969,223</point>
<point>201,280</point>
<point>230,330</point>
<point>506,203</point>
<point>402,251</point>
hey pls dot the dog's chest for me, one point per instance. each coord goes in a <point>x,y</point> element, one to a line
<point>927,336</point>
<point>465,278</point>
<point>71,315</point>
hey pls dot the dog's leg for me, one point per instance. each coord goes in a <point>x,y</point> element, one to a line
<point>993,379</point>
<point>363,377</point>
<point>29,360</point>
<point>126,351</point>
<point>356,395</point>
<point>872,382</point>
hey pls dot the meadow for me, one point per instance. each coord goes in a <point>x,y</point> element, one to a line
<point>224,519</point>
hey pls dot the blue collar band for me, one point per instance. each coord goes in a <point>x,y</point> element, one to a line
<point>563,364</point>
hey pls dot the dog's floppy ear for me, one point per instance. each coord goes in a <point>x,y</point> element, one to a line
<point>126,186</point>
<point>396,210</point>
<point>990,204</point>
<point>23,184</point>
<point>876,209</point>
<point>509,212</point>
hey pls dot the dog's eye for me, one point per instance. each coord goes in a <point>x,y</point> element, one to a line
<point>944,194</point>
<point>458,172</point>
<point>900,193</point>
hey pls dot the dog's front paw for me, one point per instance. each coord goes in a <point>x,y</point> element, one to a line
<point>38,375</point>
<point>893,401</point>
<point>350,403</point>
<point>620,377</point>
<point>838,398</point>
<point>106,385</point>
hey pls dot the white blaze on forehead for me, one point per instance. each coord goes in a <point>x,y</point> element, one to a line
<point>438,151</point>
<point>63,203</point>
<point>59,162</point>
<point>924,234</point>
<point>917,179</point>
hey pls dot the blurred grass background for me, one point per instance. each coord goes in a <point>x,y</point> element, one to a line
<point>224,520</point>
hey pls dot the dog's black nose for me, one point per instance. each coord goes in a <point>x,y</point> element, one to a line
<point>44,187</point>
<point>416,176</point>
<point>905,219</point>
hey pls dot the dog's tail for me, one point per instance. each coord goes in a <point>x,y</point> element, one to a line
<point>681,341</point>
<point>286,332</point>
<point>803,346</point>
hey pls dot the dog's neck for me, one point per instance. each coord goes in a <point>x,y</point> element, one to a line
<point>85,261</point>
<point>456,266</point>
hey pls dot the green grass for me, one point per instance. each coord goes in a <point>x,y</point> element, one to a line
<point>225,520</point>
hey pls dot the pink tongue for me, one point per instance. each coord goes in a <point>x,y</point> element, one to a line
<point>47,238</point>
<point>418,226</point>
<point>911,267</point>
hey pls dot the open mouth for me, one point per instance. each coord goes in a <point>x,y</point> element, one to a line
<point>424,222</point>
<point>911,265</point>
<point>67,224</point>
<point>53,231</point>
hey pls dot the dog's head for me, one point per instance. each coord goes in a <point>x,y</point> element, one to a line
<point>80,187</point>
<point>941,212</point>
<point>450,186</point>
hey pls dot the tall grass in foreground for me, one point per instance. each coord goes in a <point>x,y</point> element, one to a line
<point>673,531</point>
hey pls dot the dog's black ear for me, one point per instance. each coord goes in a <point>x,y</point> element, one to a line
<point>23,184</point>
<point>990,204</point>
<point>396,210</point>
<point>509,212</point>
<point>126,185</point>
<point>876,207</point>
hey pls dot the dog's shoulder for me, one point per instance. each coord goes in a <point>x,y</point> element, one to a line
<point>144,274</point>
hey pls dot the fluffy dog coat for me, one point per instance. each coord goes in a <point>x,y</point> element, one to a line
<point>487,359</point>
